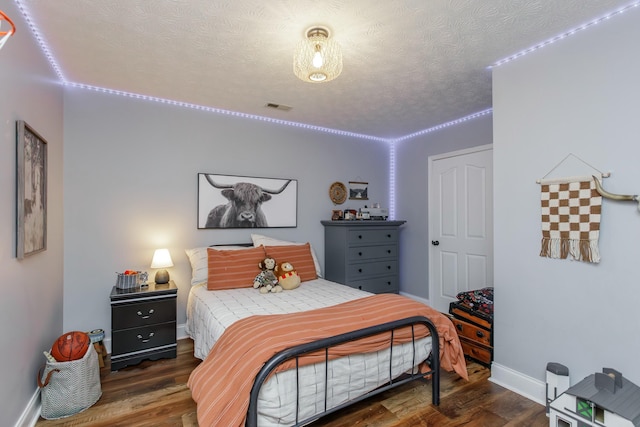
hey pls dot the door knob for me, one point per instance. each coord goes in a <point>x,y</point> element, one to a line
<point>435,242</point>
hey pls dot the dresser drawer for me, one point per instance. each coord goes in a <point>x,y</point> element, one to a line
<point>134,314</point>
<point>372,236</point>
<point>377,285</point>
<point>472,332</point>
<point>363,270</point>
<point>476,351</point>
<point>364,253</point>
<point>143,338</point>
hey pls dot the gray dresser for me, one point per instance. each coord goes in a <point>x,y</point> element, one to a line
<point>363,254</point>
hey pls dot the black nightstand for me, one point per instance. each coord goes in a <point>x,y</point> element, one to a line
<point>143,324</point>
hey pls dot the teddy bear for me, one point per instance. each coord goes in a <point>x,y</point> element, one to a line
<point>266,281</point>
<point>287,277</point>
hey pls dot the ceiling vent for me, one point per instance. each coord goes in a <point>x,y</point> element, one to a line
<point>278,106</point>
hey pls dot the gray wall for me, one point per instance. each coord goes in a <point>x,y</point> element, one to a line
<point>577,96</point>
<point>131,185</point>
<point>31,303</point>
<point>412,194</point>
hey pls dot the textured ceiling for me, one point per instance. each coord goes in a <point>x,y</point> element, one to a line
<point>408,64</point>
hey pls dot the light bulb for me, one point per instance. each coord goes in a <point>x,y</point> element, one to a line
<point>317,58</point>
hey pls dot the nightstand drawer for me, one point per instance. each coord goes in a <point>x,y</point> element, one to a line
<point>476,351</point>
<point>364,253</point>
<point>372,236</point>
<point>472,332</point>
<point>136,339</point>
<point>378,285</point>
<point>134,314</point>
<point>363,270</point>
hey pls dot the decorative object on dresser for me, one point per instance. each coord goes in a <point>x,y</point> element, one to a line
<point>472,315</point>
<point>143,324</point>
<point>363,254</point>
<point>161,259</point>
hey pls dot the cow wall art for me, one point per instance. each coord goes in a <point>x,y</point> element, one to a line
<point>230,201</point>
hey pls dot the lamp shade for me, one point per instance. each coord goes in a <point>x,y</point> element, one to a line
<point>317,58</point>
<point>161,259</point>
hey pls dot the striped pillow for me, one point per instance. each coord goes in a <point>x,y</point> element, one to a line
<point>298,255</point>
<point>233,268</point>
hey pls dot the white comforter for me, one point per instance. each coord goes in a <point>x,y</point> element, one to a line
<point>210,312</point>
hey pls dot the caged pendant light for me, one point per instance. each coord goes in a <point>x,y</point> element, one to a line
<point>317,58</point>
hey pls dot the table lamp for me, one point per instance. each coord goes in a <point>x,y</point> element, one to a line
<point>161,259</point>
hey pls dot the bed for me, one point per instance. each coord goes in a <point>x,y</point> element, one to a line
<point>302,390</point>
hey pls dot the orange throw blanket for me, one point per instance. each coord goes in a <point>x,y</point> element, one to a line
<point>221,384</point>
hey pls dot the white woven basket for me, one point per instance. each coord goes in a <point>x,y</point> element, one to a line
<point>72,386</point>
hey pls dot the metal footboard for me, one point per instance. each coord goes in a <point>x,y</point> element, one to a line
<point>327,343</point>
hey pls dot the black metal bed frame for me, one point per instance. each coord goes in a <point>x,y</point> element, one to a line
<point>327,343</point>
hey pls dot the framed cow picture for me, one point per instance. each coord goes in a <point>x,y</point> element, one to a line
<point>231,201</point>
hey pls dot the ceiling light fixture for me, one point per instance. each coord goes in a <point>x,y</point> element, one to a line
<point>317,58</point>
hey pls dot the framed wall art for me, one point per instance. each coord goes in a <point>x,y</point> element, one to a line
<point>231,201</point>
<point>358,190</point>
<point>31,192</point>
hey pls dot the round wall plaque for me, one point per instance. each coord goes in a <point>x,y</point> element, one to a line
<point>338,193</point>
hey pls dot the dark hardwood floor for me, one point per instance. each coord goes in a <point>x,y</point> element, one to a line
<point>155,394</point>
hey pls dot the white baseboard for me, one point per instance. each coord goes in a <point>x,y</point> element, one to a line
<point>181,332</point>
<point>31,413</point>
<point>422,300</point>
<point>508,378</point>
<point>517,382</point>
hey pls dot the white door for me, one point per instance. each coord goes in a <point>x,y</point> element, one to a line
<point>460,223</point>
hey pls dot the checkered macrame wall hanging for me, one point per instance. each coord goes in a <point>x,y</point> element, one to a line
<point>571,209</point>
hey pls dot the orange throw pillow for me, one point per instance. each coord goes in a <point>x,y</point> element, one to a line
<point>233,268</point>
<point>298,255</point>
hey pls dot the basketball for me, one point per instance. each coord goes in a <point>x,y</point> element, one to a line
<point>70,346</point>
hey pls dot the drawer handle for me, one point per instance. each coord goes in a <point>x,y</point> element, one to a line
<point>360,287</point>
<point>359,253</point>
<point>389,283</point>
<point>389,236</point>
<point>359,270</point>
<point>479,334</point>
<point>388,267</point>
<point>459,327</point>
<point>140,337</point>
<point>146,316</point>
<point>388,251</point>
<point>360,236</point>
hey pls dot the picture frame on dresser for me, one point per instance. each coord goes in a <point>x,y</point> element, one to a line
<point>31,192</point>
<point>233,201</point>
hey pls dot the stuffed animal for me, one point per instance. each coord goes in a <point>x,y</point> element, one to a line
<point>287,277</point>
<point>266,281</point>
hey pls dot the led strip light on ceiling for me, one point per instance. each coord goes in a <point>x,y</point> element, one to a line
<point>47,52</point>
<point>565,34</point>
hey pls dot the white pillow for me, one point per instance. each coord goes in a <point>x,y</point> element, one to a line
<point>200,262</point>
<point>259,239</point>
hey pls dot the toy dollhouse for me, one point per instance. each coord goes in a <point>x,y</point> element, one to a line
<point>604,399</point>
